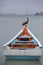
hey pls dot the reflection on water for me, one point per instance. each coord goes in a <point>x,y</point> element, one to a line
<point>22,62</point>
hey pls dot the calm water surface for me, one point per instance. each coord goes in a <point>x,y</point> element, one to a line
<point>10,26</point>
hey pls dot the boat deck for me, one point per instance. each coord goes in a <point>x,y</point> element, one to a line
<point>22,46</point>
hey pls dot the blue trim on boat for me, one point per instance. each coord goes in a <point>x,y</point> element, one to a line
<point>33,41</point>
<point>21,57</point>
<point>24,36</point>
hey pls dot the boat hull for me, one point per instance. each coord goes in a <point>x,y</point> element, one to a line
<point>21,57</point>
<point>22,54</point>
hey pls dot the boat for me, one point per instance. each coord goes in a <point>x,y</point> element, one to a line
<point>23,46</point>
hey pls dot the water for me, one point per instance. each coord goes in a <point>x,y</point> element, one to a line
<point>10,26</point>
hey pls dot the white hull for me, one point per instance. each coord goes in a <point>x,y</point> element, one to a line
<point>28,52</point>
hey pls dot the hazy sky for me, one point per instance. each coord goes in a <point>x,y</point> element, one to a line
<point>21,6</point>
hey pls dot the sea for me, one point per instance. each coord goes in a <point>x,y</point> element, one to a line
<point>10,25</point>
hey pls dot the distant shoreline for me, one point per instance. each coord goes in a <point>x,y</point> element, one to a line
<point>21,14</point>
<point>13,15</point>
<point>39,13</point>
